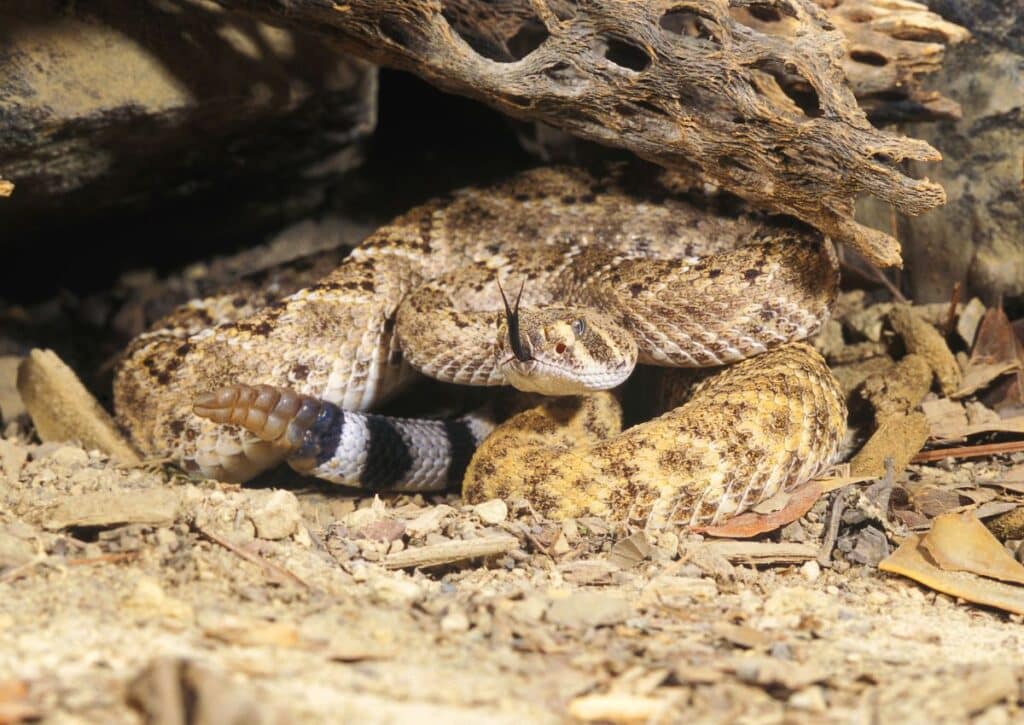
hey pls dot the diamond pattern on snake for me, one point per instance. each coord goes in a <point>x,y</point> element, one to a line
<point>557,281</point>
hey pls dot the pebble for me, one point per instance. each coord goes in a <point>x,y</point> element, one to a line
<point>492,512</point>
<point>809,699</point>
<point>877,597</point>
<point>428,522</point>
<point>455,621</point>
<point>71,457</point>
<point>810,570</point>
<point>275,516</point>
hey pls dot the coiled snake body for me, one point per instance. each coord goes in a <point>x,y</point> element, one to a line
<point>615,269</point>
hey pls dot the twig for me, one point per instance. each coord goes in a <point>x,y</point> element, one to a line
<point>762,552</point>
<point>253,558</point>
<point>986,449</point>
<point>835,514</point>
<point>450,552</point>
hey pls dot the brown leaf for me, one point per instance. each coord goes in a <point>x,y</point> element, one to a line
<point>751,524</point>
<point>959,542</point>
<point>996,352</point>
<point>913,562</point>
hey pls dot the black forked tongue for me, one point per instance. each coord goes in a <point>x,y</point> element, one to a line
<point>512,318</point>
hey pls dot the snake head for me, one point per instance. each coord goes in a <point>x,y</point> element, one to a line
<point>563,350</point>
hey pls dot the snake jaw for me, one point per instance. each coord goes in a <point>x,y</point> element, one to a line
<point>515,341</point>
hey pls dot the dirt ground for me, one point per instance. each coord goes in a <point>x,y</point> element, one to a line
<point>133,594</point>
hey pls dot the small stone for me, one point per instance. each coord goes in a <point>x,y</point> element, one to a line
<point>455,621</point>
<point>165,537</point>
<point>809,699</point>
<point>302,538</point>
<point>492,512</point>
<point>275,516</point>
<point>428,522</point>
<point>150,598</point>
<point>71,457</point>
<point>561,546</point>
<point>810,570</point>
<point>877,598</point>
<point>394,589</point>
<point>363,517</point>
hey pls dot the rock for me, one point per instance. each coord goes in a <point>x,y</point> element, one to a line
<point>491,512</point>
<point>810,570</point>
<point>276,515</point>
<point>150,599</point>
<point>809,699</point>
<point>455,621</point>
<point>428,522</point>
<point>589,609</point>
<point>69,457</point>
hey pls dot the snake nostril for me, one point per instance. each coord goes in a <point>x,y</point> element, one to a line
<point>560,348</point>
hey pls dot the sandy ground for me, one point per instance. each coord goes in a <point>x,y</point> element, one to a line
<point>133,594</point>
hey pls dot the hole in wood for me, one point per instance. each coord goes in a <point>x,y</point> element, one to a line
<point>685,22</point>
<point>765,13</point>
<point>794,85</point>
<point>869,57</point>
<point>496,40</point>
<point>527,39</point>
<point>626,55</point>
<point>395,32</point>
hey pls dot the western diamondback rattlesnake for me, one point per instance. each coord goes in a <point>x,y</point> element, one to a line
<point>615,268</point>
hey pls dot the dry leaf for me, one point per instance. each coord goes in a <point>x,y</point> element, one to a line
<point>959,542</point>
<point>996,352</point>
<point>751,524</point>
<point>630,551</point>
<point>911,561</point>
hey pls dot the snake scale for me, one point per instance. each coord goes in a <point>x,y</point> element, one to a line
<point>602,270</point>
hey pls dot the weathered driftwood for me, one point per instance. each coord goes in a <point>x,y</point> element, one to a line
<point>686,85</point>
<point>891,44</point>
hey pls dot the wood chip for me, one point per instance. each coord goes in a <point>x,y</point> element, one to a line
<point>741,635</point>
<point>63,410</point>
<point>450,552</point>
<point>6,187</point>
<point>156,506</point>
<point>970,318</point>
<point>762,552</point>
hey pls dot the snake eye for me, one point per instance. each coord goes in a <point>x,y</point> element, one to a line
<point>578,327</point>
